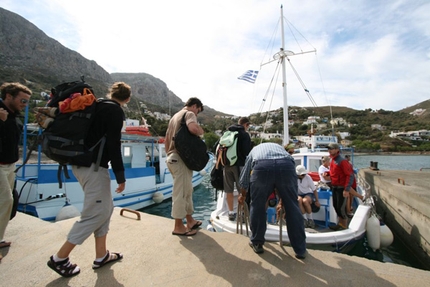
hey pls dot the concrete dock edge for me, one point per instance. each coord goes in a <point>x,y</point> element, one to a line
<point>154,257</point>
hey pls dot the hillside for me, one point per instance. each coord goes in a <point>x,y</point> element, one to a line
<point>29,56</point>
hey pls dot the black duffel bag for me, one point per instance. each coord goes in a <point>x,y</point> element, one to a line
<point>191,148</point>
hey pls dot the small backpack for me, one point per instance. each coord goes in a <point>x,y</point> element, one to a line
<point>228,148</point>
<point>217,175</point>
<point>66,120</point>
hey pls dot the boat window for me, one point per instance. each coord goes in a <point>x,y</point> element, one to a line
<point>127,151</point>
<point>314,164</point>
<point>298,161</point>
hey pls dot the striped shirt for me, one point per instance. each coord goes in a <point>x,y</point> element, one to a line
<point>262,151</point>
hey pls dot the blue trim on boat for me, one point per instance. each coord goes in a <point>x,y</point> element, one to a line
<point>27,209</point>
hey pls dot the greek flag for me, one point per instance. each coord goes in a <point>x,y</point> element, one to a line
<point>249,76</point>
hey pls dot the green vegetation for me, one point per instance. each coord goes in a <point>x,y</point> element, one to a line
<point>357,123</point>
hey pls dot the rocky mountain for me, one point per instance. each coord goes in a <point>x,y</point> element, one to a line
<point>31,57</point>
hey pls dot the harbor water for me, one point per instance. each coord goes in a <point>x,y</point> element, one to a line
<point>204,197</point>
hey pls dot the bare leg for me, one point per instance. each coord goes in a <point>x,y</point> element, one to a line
<point>101,246</point>
<point>230,199</point>
<point>190,221</point>
<point>343,222</point>
<point>65,249</point>
<point>302,208</point>
<point>355,193</point>
<point>307,204</point>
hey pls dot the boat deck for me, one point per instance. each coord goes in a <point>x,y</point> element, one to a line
<point>153,257</point>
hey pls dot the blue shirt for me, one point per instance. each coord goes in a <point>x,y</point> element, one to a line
<point>262,151</point>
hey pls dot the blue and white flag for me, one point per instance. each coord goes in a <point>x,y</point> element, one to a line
<point>249,76</point>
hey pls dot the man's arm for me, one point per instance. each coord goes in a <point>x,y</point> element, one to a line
<point>195,129</point>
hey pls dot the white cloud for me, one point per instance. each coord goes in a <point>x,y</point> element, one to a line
<point>369,54</point>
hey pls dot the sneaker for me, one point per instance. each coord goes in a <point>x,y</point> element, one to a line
<point>305,223</point>
<point>311,223</point>
<point>258,248</point>
<point>232,216</point>
<point>337,227</point>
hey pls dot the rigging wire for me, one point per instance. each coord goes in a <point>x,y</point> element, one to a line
<point>325,94</point>
<point>302,83</point>
<point>289,24</point>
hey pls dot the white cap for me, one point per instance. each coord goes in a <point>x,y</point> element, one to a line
<point>300,169</point>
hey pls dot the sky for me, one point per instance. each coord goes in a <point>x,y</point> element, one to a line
<point>362,54</point>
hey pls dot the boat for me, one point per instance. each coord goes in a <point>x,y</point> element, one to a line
<point>149,181</point>
<point>322,236</point>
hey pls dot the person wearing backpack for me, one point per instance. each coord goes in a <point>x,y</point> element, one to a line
<point>98,204</point>
<point>182,194</point>
<point>231,173</point>
<point>14,99</point>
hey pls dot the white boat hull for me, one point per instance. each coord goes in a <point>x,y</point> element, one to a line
<point>319,236</point>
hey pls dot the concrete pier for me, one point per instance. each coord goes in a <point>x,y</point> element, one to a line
<point>403,202</point>
<point>154,257</point>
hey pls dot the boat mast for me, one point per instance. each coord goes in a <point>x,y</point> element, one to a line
<point>284,82</point>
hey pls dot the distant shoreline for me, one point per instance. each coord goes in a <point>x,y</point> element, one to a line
<point>394,153</point>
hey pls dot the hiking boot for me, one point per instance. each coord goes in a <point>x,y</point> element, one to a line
<point>311,223</point>
<point>258,248</point>
<point>337,227</point>
<point>232,216</point>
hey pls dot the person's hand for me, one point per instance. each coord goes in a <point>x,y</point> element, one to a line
<point>241,198</point>
<point>317,203</point>
<point>345,193</point>
<point>120,187</point>
<point>3,114</point>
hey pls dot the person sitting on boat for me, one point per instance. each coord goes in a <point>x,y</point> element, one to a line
<point>290,148</point>
<point>324,173</point>
<point>272,167</point>
<point>307,193</point>
<point>342,178</point>
<point>231,173</point>
<point>96,185</point>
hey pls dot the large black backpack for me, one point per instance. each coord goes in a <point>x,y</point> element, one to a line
<point>64,139</point>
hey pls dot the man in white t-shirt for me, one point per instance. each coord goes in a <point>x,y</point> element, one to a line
<point>307,191</point>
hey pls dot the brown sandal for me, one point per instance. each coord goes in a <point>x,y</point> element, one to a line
<point>64,268</point>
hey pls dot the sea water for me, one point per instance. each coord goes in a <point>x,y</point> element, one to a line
<point>204,198</point>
